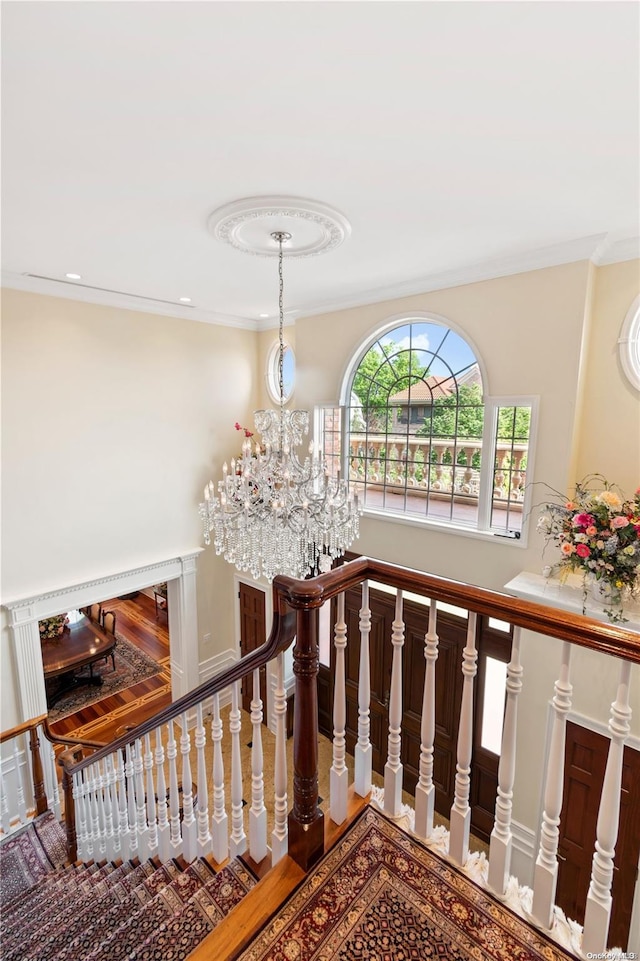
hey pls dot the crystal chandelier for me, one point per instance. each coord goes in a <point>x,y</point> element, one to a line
<point>274,512</point>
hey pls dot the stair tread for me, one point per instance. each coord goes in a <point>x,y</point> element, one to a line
<point>70,888</point>
<point>141,923</point>
<point>81,941</point>
<point>204,910</point>
<point>94,902</point>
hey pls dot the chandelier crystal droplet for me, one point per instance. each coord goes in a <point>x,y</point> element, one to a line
<point>275,512</point>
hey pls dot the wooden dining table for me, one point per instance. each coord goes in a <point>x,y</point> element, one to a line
<point>80,645</point>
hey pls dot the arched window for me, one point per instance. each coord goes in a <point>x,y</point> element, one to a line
<point>422,438</point>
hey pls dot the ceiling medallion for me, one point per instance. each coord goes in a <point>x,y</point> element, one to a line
<point>249,225</point>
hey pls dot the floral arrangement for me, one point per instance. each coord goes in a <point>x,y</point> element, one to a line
<point>247,432</point>
<point>51,627</point>
<point>598,533</point>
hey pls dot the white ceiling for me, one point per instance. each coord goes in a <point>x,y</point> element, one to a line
<point>460,140</point>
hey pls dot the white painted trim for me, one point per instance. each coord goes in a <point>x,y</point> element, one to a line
<point>217,663</point>
<point>598,248</point>
<point>120,300</point>
<point>616,251</point>
<point>523,852</point>
<point>25,612</point>
<point>53,601</point>
<point>214,665</point>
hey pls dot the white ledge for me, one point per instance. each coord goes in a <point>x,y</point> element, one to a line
<point>568,596</point>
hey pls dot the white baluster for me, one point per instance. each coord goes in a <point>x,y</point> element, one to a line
<point>363,753</point>
<point>20,798</point>
<point>501,837</point>
<point>425,788</point>
<point>152,842</point>
<point>54,801</point>
<point>546,870</point>
<point>129,772</point>
<point>92,814</point>
<point>175,839</point>
<point>258,812</point>
<point>93,825</point>
<point>598,909</point>
<point>164,830</point>
<point>100,783</point>
<point>393,767</point>
<point>219,829</point>
<point>81,815</point>
<point>189,823</point>
<point>204,835</point>
<point>339,777</point>
<point>460,810</point>
<point>141,803</point>
<point>110,811</point>
<point>238,842</point>
<point>5,817</point>
<point>123,819</point>
<point>280,835</point>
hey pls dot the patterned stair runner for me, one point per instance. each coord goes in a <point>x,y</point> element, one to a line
<point>106,912</point>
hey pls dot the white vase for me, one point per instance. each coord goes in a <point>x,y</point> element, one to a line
<point>604,593</point>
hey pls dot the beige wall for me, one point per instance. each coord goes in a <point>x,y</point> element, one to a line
<point>113,421</point>
<point>527,332</point>
<point>609,430</point>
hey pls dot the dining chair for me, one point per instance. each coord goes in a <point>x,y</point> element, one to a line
<point>95,613</point>
<point>109,627</point>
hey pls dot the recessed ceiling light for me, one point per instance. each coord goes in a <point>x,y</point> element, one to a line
<point>185,300</point>
<point>74,276</point>
<point>264,315</point>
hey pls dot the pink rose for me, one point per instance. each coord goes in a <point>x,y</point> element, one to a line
<point>567,548</point>
<point>617,522</point>
<point>591,531</point>
<point>582,550</point>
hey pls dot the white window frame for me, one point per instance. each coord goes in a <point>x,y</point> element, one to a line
<point>482,530</point>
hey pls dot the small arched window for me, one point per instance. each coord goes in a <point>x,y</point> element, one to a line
<point>288,372</point>
<point>424,440</point>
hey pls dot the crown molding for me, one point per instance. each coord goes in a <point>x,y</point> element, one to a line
<point>123,301</point>
<point>613,251</point>
<point>119,582</point>
<point>600,249</point>
<point>583,248</point>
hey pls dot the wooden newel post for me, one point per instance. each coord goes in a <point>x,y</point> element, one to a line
<point>39,793</point>
<point>306,820</point>
<point>66,760</point>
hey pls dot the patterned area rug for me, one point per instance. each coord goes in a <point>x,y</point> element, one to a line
<point>132,666</point>
<point>24,859</point>
<point>380,894</point>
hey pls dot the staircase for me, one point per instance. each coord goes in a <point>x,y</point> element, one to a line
<point>109,911</point>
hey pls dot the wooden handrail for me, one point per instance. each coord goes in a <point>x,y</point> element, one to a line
<point>22,728</point>
<point>31,728</point>
<point>71,741</point>
<point>296,604</point>
<point>282,634</point>
<point>578,629</point>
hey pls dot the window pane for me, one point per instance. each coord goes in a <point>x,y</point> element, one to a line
<point>416,423</point>
<point>493,704</point>
<point>510,467</point>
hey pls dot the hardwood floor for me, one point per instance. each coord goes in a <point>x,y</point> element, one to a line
<point>137,621</point>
